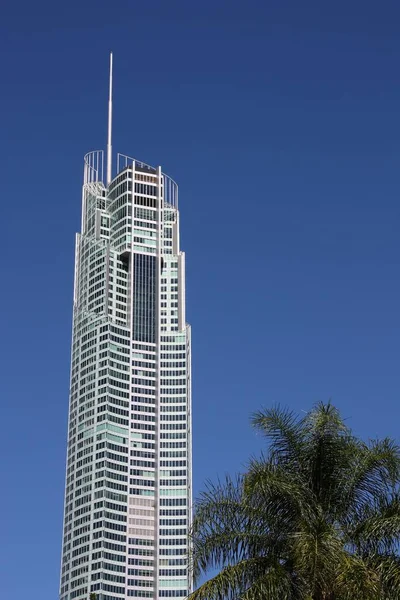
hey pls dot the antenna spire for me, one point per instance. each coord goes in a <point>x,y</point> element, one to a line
<point>109,138</point>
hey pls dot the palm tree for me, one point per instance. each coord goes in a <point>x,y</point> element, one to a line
<point>315,518</point>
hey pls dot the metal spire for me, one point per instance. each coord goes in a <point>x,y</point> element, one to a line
<point>109,138</point>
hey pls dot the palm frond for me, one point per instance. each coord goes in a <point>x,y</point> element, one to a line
<point>374,470</point>
<point>226,529</point>
<point>283,432</point>
<point>357,580</point>
<point>327,450</point>
<point>284,499</point>
<point>236,581</point>
<point>388,569</point>
<point>219,503</point>
<point>276,584</point>
<point>379,528</point>
<point>317,553</point>
<point>216,550</point>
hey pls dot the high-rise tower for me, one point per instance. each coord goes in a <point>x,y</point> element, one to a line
<point>128,481</point>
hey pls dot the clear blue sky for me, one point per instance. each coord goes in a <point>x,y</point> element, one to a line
<point>281,122</point>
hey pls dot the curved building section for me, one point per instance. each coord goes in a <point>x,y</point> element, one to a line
<point>128,481</point>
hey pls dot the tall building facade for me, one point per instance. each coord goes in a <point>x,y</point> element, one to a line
<point>128,478</point>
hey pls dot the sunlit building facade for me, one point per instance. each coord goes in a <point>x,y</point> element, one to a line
<point>128,478</point>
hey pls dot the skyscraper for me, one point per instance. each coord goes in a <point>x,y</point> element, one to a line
<point>128,480</point>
